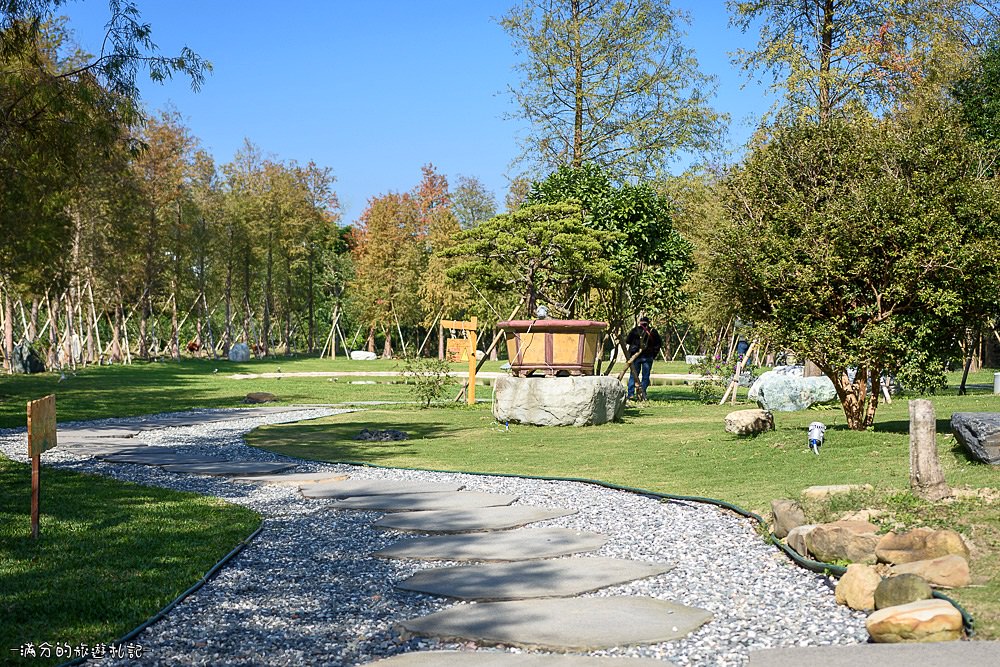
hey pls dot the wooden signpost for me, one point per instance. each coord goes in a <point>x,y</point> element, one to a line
<point>41,438</point>
<point>469,326</point>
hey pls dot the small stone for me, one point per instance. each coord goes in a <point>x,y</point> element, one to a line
<point>950,571</point>
<point>920,544</point>
<point>856,587</point>
<point>786,514</point>
<point>749,422</point>
<point>260,397</point>
<point>853,541</point>
<point>922,621</point>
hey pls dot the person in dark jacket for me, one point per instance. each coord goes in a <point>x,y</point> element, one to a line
<point>645,341</point>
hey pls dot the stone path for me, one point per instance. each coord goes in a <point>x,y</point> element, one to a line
<point>563,624</point>
<point>317,587</point>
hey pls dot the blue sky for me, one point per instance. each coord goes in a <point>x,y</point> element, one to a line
<point>374,88</point>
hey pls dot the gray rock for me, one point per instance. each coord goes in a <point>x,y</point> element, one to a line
<point>788,393</point>
<point>260,397</point>
<point>239,352</point>
<point>25,360</point>
<point>901,589</point>
<point>786,514</point>
<point>363,355</point>
<point>694,359</point>
<point>350,488</point>
<point>749,422</point>
<point>559,401</point>
<point>523,580</point>
<point>979,433</point>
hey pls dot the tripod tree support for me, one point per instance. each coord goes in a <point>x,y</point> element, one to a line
<point>469,326</point>
<point>41,438</point>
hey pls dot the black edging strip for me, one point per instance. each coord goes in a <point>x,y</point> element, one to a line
<point>820,567</point>
<point>180,598</point>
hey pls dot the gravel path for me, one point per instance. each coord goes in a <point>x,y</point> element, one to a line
<point>305,592</point>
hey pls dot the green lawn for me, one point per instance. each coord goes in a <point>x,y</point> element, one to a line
<point>109,556</point>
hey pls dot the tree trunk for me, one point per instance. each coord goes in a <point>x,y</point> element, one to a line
<point>144,313</point>
<point>53,303</point>
<point>926,477</point>
<point>8,332</point>
<point>116,332</point>
<point>387,347</point>
<point>268,298</point>
<point>858,403</point>
<point>825,61</point>
<point>370,343</point>
<point>578,93</point>
<point>311,304</point>
<point>175,330</point>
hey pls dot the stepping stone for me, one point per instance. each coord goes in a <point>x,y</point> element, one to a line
<point>465,521</point>
<point>523,544</point>
<point>227,468</point>
<point>375,487</point>
<point>89,432</point>
<point>409,502</point>
<point>524,580</point>
<point>570,624</point>
<point>967,654</point>
<point>74,440</point>
<point>497,659</point>
<point>101,450</point>
<point>297,479</point>
<point>158,456</point>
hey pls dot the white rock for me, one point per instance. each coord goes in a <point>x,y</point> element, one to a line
<point>239,352</point>
<point>363,355</point>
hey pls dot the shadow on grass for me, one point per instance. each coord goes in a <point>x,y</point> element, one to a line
<point>941,426</point>
<point>335,441</point>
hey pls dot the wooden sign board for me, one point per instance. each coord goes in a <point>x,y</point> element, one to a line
<point>41,425</point>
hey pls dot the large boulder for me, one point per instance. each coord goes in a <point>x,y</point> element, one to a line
<point>788,393</point>
<point>559,401</point>
<point>786,515</point>
<point>945,572</point>
<point>853,541</point>
<point>239,352</point>
<point>923,621</point>
<point>856,587</point>
<point>363,355</point>
<point>749,422</point>
<point>904,589</point>
<point>25,360</point>
<point>979,433</point>
<point>920,544</point>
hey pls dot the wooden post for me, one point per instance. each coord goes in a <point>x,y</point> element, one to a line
<point>472,363</point>
<point>926,477</point>
<point>41,437</point>
<point>470,327</point>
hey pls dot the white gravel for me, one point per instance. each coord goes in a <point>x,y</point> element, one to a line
<point>306,592</point>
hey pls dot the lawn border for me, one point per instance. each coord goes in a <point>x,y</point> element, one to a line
<point>162,613</point>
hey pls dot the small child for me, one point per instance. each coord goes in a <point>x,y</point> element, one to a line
<point>816,431</point>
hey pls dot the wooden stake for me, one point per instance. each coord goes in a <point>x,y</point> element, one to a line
<point>926,477</point>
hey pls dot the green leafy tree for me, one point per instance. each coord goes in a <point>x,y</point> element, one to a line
<point>976,93</point>
<point>472,202</point>
<point>645,251</point>
<point>545,252</point>
<point>866,245</point>
<point>609,82</point>
<point>830,57</point>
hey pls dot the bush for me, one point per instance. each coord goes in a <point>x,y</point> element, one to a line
<point>429,377</point>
